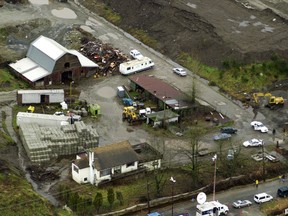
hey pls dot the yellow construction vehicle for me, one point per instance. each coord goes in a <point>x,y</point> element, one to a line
<point>128,111</point>
<point>131,114</point>
<point>273,101</point>
<point>31,109</point>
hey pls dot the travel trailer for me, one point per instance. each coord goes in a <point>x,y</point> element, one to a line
<point>135,66</point>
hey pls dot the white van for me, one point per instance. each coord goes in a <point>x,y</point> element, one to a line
<point>135,66</point>
<point>210,208</point>
<point>262,197</point>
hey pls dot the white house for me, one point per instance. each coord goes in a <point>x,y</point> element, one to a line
<point>113,161</point>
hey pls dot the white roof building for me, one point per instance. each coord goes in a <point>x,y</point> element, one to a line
<point>45,56</point>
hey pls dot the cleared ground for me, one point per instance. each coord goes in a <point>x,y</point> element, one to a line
<point>210,31</point>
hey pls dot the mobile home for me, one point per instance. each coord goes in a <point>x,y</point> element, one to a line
<point>135,66</point>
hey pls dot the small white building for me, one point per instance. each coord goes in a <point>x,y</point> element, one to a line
<point>156,118</point>
<point>45,96</point>
<point>114,161</point>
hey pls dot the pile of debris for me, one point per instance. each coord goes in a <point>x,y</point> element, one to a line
<point>105,56</point>
<point>39,174</point>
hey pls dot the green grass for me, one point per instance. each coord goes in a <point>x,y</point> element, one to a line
<point>8,82</point>
<point>236,79</point>
<point>143,37</point>
<point>18,196</point>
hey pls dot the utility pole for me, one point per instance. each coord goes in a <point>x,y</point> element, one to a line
<point>173,181</point>
<point>148,197</point>
<point>215,169</point>
<point>263,162</point>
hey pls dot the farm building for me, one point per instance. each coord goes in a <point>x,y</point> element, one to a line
<point>114,161</point>
<point>45,96</point>
<point>47,62</point>
<point>163,94</point>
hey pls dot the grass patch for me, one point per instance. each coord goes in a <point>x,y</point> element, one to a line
<point>18,196</point>
<point>8,82</point>
<point>236,78</point>
<point>143,37</point>
<point>276,207</point>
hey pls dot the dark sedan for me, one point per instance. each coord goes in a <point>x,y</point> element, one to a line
<point>228,130</point>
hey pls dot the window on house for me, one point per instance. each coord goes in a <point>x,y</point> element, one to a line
<point>85,179</point>
<point>105,172</point>
<point>76,169</point>
<point>130,164</point>
<point>67,65</point>
<point>117,170</point>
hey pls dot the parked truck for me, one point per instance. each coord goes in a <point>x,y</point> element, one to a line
<point>211,208</point>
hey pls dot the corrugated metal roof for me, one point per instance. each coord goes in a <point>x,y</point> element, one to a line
<point>113,155</point>
<point>160,89</point>
<point>50,47</point>
<point>42,91</point>
<point>84,61</point>
<point>23,65</point>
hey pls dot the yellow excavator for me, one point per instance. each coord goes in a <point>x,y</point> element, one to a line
<point>273,102</point>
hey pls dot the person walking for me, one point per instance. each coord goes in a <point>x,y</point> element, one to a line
<point>256,183</point>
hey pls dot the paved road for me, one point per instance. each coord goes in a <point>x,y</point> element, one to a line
<point>227,197</point>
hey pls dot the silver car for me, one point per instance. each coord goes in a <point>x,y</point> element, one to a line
<point>241,203</point>
<point>180,71</point>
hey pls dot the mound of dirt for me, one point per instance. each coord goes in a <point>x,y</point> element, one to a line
<point>211,32</point>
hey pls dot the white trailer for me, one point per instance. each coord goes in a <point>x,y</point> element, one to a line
<point>46,96</point>
<point>135,66</point>
<point>211,208</point>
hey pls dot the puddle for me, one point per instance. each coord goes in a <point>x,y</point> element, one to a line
<point>39,2</point>
<point>106,92</point>
<point>86,28</point>
<point>64,13</point>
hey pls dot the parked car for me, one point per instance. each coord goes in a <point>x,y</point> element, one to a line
<point>230,155</point>
<point>253,143</point>
<point>258,126</point>
<point>228,130</point>
<point>136,54</point>
<point>262,197</point>
<point>282,191</point>
<point>241,203</point>
<point>183,214</point>
<point>180,71</point>
<point>221,136</point>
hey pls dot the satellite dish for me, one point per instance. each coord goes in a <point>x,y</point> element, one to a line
<point>201,198</point>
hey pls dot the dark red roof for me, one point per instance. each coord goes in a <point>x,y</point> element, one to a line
<point>160,89</point>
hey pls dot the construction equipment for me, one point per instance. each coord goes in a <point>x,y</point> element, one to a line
<point>31,109</point>
<point>132,115</point>
<point>273,102</point>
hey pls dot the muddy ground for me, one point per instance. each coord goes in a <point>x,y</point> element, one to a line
<point>210,31</point>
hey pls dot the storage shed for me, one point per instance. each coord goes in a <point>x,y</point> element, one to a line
<point>46,96</point>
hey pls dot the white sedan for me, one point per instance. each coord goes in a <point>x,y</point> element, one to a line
<point>253,143</point>
<point>258,126</point>
<point>180,71</point>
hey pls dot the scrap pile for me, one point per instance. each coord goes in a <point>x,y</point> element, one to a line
<point>105,56</point>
